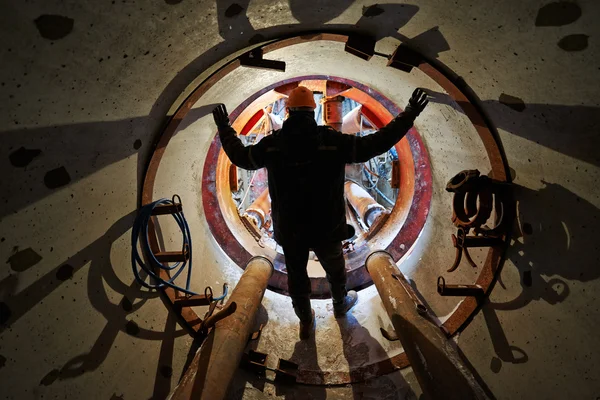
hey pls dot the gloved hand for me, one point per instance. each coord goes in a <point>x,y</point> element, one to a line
<point>417,102</point>
<point>221,116</point>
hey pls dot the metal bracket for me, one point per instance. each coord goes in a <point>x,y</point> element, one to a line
<point>193,301</point>
<point>458,290</point>
<point>462,242</point>
<point>164,209</point>
<point>404,59</point>
<point>360,46</point>
<point>390,335</point>
<point>286,372</point>
<point>254,361</point>
<point>173,256</point>
<point>210,321</point>
<point>476,196</point>
<point>256,335</point>
<point>254,59</point>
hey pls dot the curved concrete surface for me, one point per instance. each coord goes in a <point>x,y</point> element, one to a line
<point>86,89</point>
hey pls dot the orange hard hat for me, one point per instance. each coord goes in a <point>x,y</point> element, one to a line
<point>301,97</point>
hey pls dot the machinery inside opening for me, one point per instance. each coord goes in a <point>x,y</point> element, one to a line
<point>371,188</point>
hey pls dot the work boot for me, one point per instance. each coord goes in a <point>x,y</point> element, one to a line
<point>340,309</point>
<point>307,327</point>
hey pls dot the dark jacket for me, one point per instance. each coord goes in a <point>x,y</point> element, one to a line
<point>305,164</point>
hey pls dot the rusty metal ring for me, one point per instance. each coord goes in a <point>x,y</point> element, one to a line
<point>460,92</point>
<point>471,204</point>
<point>173,200</point>
<point>471,215</point>
<point>441,284</point>
<point>208,293</point>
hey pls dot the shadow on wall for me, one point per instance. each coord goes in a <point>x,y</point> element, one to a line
<point>58,155</point>
<point>97,254</point>
<point>96,258</point>
<point>48,158</point>
<point>555,242</point>
<point>570,130</point>
<point>62,157</point>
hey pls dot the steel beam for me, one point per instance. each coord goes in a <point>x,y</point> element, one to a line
<point>214,365</point>
<point>439,368</point>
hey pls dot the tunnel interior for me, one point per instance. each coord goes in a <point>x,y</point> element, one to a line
<point>93,93</point>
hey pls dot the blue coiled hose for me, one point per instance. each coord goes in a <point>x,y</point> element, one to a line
<point>140,230</point>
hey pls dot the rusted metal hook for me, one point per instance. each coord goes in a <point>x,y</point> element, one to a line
<point>458,241</point>
<point>462,242</point>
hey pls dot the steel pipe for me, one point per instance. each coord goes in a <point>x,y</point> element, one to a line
<point>361,201</point>
<point>351,123</point>
<point>259,209</point>
<point>214,365</point>
<point>438,366</point>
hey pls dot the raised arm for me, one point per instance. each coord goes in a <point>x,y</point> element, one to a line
<point>360,149</point>
<point>247,157</point>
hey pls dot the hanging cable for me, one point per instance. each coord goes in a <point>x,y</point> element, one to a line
<point>140,231</point>
<point>383,196</point>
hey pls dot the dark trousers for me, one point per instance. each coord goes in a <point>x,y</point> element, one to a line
<point>331,258</point>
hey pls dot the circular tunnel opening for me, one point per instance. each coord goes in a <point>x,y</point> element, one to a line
<point>381,195</point>
<point>371,187</point>
<point>456,136</point>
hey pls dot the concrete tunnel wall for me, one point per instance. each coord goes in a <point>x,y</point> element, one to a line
<point>86,87</point>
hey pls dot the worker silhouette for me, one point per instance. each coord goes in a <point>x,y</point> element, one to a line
<point>306,172</point>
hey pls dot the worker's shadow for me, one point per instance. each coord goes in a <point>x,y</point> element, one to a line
<point>361,349</point>
<point>306,356</point>
<point>358,348</point>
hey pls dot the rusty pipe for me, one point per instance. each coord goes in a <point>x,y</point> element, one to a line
<point>361,201</point>
<point>213,319</point>
<point>440,370</point>
<point>351,123</point>
<point>259,209</point>
<point>214,365</point>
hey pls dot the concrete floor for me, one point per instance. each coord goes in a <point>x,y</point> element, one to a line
<point>86,88</point>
